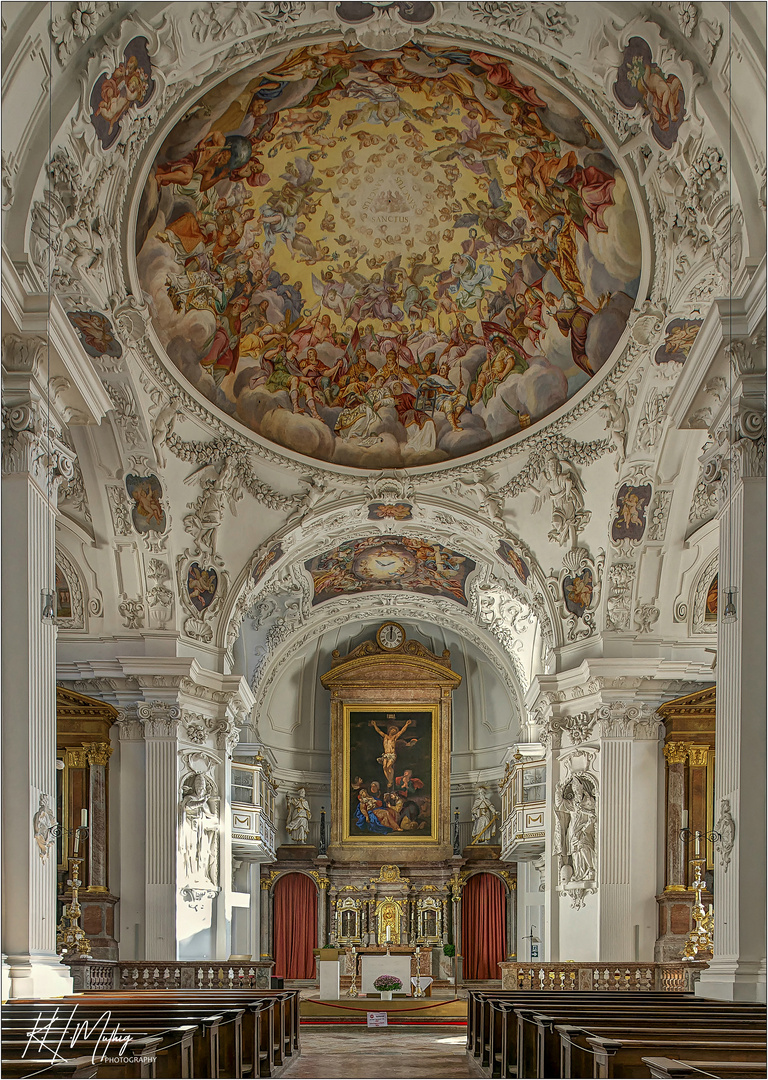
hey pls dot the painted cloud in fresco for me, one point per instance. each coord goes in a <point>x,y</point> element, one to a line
<point>387,260</point>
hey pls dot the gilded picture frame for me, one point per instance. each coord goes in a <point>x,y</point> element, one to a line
<point>390,773</point>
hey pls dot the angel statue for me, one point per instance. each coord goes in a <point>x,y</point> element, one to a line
<point>562,484</point>
<point>208,509</point>
<point>162,424</point>
<point>617,422</point>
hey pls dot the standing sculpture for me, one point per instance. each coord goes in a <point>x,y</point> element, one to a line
<point>299,817</point>
<point>562,484</point>
<point>484,818</point>
<point>199,832</point>
<point>575,842</point>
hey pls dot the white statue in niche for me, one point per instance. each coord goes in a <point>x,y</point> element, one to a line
<point>199,831</point>
<point>483,818</point>
<point>299,817</point>
<point>575,829</point>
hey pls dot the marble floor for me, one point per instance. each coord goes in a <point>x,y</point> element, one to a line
<point>378,1054</point>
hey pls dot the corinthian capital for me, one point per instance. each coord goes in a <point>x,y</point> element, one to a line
<point>31,444</point>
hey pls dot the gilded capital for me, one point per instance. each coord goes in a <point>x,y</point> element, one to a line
<point>676,753</point>
<point>98,753</point>
<point>698,755</point>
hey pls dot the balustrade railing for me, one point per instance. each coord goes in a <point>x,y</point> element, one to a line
<point>580,976</point>
<point>180,975</point>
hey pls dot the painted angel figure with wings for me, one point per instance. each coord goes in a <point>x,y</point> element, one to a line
<point>563,485</point>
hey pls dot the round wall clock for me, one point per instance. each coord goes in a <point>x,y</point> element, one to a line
<point>390,635</point>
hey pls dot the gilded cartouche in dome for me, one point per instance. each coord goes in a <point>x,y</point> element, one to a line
<point>387,259</point>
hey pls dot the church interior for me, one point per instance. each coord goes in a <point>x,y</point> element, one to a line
<point>384,539</point>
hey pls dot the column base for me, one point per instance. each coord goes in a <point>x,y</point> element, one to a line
<point>733,980</point>
<point>34,976</point>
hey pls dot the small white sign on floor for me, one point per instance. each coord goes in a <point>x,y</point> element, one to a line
<point>377,1019</point>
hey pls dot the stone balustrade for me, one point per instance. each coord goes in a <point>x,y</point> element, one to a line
<point>584,976</point>
<point>182,975</point>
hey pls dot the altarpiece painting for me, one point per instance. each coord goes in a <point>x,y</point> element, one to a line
<point>388,773</point>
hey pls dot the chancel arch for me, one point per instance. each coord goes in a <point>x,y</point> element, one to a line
<point>335,340</point>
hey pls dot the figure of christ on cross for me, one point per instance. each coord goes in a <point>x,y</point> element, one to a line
<point>389,757</point>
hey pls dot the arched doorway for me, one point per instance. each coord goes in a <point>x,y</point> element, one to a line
<point>483,926</point>
<point>295,926</point>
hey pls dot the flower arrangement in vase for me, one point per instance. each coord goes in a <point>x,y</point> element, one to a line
<point>385,984</point>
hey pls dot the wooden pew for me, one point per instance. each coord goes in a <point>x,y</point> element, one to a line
<point>275,1016</point>
<point>479,1009</point>
<point>175,1053</point>
<point>137,1062</point>
<point>578,1057</point>
<point>81,1068</point>
<point>663,1068</point>
<point>499,1054</point>
<point>616,1059</point>
<point>282,1029</point>
<point>546,1051</point>
<point>216,1038</point>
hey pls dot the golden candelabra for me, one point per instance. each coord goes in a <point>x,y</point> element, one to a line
<point>418,992</point>
<point>71,939</point>
<point>699,943</point>
<point>353,985</point>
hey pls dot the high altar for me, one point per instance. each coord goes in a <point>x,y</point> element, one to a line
<point>392,873</point>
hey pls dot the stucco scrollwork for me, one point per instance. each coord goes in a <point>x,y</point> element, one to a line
<point>76,619</point>
<point>698,604</point>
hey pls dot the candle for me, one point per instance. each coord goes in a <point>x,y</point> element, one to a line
<point>84,818</point>
<point>698,842</point>
<point>387,933</point>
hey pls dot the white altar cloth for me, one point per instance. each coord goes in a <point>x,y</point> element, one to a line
<point>381,964</point>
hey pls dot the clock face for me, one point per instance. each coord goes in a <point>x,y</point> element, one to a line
<point>391,636</point>
<point>384,563</point>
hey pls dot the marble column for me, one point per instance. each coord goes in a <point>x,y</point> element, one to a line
<point>322,910</point>
<point>34,462</point>
<point>737,971</point>
<point>161,851</point>
<point>697,811</point>
<point>254,910</point>
<point>98,760</point>
<point>676,754</point>
<point>266,921</point>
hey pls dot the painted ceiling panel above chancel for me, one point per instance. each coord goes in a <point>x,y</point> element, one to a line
<point>387,259</point>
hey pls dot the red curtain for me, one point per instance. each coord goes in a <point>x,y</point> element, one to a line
<point>483,926</point>
<point>295,926</point>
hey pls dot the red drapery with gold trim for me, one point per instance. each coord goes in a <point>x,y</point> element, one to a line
<point>483,926</point>
<point>295,926</point>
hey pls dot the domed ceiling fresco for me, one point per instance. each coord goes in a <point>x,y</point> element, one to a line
<point>387,260</point>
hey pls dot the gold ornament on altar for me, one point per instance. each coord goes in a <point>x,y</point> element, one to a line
<point>388,913</point>
<point>699,944</point>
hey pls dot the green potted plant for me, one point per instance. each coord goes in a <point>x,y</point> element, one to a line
<point>385,984</point>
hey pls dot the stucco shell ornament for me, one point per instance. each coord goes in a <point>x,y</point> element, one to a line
<point>387,260</point>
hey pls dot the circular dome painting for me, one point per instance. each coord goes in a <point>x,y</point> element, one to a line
<point>387,259</point>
